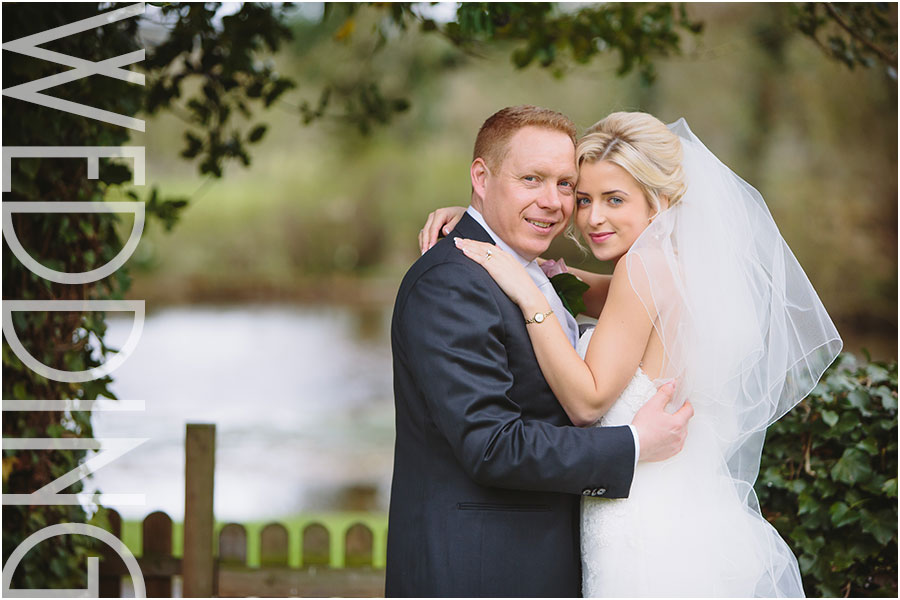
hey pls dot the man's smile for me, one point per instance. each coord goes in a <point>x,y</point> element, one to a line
<point>541,224</point>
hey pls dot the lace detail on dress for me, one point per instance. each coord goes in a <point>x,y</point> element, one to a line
<point>608,525</point>
<point>636,393</point>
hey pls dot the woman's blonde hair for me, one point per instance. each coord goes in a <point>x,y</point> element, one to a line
<point>642,145</point>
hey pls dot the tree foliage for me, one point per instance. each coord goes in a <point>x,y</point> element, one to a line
<point>828,481</point>
<point>856,34</point>
<point>222,63</point>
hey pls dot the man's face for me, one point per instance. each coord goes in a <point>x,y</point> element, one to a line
<point>530,198</point>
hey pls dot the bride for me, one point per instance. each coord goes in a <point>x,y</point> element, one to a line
<point>704,290</point>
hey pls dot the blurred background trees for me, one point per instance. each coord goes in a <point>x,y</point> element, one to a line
<point>797,104</point>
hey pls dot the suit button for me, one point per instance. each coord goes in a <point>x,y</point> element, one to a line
<point>601,491</point>
<point>585,492</point>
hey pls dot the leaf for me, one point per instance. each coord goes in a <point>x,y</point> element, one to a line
<point>257,134</point>
<point>888,400</point>
<point>877,374</point>
<point>9,464</point>
<point>571,290</point>
<point>889,488</point>
<point>830,417</point>
<point>860,400</point>
<point>869,446</point>
<point>346,30</point>
<point>841,514</point>
<point>852,467</point>
<point>882,526</point>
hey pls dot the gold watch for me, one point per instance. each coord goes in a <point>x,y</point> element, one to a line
<point>539,317</point>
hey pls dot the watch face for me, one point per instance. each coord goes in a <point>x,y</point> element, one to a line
<point>539,318</point>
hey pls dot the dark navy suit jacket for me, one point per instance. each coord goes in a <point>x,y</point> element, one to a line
<point>488,469</point>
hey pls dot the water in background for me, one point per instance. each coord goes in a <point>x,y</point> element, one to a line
<point>301,398</point>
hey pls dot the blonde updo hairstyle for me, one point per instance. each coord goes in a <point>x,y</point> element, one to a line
<point>643,146</point>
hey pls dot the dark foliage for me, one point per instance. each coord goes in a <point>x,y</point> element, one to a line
<point>828,481</point>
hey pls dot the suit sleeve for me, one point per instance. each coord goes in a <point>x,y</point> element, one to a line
<point>452,337</point>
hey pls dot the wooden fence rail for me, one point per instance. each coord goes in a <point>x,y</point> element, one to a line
<point>225,572</point>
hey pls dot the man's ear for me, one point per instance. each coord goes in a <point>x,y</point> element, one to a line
<point>479,174</point>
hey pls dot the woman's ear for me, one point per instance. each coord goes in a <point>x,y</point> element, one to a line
<point>663,205</point>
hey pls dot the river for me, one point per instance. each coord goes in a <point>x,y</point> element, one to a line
<point>301,398</point>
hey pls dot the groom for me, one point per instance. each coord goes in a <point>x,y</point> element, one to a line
<point>488,469</point>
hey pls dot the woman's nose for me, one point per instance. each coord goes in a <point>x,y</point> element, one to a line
<point>598,215</point>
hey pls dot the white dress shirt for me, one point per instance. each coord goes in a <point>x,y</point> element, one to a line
<point>569,325</point>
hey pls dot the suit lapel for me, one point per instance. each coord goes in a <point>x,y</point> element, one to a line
<point>469,228</point>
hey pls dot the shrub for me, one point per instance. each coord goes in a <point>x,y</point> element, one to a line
<point>828,481</point>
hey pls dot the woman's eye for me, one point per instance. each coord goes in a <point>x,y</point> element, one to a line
<point>583,201</point>
<point>615,201</point>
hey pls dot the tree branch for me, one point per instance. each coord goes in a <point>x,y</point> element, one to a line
<point>885,57</point>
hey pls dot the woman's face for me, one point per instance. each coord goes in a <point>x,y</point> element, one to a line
<point>611,210</point>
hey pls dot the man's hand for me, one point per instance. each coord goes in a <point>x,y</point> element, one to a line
<point>660,434</point>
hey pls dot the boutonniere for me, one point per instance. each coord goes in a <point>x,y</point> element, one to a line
<point>569,288</point>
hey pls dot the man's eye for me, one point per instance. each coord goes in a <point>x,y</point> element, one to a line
<point>567,185</point>
<point>531,178</point>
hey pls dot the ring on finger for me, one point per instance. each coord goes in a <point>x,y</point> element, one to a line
<point>488,253</point>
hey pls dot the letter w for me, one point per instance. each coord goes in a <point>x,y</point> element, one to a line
<point>111,67</point>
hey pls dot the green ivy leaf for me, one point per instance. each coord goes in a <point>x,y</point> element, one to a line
<point>869,446</point>
<point>876,374</point>
<point>841,514</point>
<point>888,399</point>
<point>852,467</point>
<point>830,417</point>
<point>860,400</point>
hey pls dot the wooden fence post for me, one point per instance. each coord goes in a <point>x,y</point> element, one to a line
<point>156,531</point>
<point>110,580</point>
<point>199,470</point>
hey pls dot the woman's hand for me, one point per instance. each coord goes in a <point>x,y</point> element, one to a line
<point>441,220</point>
<point>511,276</point>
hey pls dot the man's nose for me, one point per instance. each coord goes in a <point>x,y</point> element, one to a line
<point>550,198</point>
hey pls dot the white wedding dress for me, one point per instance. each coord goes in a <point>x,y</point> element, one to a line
<point>683,531</point>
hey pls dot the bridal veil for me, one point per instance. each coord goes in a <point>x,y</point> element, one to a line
<point>744,331</point>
